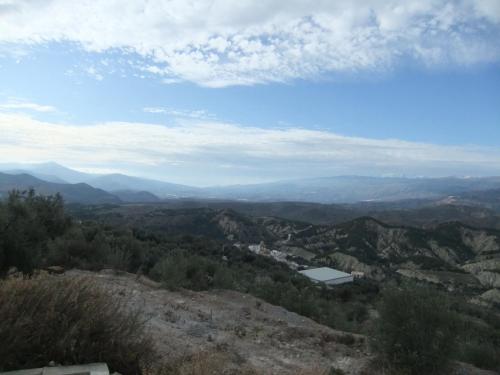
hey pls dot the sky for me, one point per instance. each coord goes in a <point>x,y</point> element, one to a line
<point>215,92</point>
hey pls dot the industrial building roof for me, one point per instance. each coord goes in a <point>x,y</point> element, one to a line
<point>324,274</point>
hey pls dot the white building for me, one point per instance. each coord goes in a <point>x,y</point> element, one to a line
<point>358,274</point>
<point>328,276</point>
<point>254,248</point>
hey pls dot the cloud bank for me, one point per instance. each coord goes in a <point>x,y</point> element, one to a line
<point>210,152</point>
<point>217,43</point>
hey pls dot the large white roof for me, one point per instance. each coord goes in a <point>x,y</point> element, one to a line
<point>324,274</point>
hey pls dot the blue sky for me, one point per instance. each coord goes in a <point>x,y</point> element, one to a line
<point>280,91</point>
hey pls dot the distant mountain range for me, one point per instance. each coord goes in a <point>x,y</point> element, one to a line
<point>72,193</point>
<point>113,183</point>
<point>351,189</point>
<point>328,190</point>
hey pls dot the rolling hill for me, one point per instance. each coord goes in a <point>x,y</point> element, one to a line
<point>72,193</point>
<point>451,254</point>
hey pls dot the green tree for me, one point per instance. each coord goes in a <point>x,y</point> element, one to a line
<point>416,331</point>
<point>27,222</point>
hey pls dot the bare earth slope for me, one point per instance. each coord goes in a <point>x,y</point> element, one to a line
<point>248,332</point>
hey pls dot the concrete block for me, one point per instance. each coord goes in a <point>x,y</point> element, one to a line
<point>89,369</point>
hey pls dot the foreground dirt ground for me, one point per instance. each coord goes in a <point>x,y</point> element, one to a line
<point>245,332</point>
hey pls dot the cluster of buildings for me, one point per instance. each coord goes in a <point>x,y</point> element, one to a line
<point>279,256</point>
<point>325,275</point>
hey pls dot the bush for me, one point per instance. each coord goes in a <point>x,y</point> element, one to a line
<point>73,249</point>
<point>204,363</point>
<point>181,270</point>
<point>27,222</point>
<point>479,335</point>
<point>481,354</point>
<point>416,331</point>
<point>69,321</point>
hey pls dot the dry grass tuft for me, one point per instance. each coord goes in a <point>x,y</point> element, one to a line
<point>221,363</point>
<point>69,321</point>
<point>205,363</point>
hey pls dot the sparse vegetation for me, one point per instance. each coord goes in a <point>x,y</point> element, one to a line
<point>180,270</point>
<point>203,363</point>
<point>481,354</point>
<point>265,279</point>
<point>69,321</point>
<point>479,336</point>
<point>182,261</point>
<point>416,332</point>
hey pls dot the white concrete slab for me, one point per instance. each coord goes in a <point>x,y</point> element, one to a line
<point>89,369</point>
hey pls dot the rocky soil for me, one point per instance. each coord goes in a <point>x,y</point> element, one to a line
<point>246,332</point>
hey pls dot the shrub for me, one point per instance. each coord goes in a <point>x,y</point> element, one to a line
<point>479,335</point>
<point>73,249</point>
<point>180,270</point>
<point>416,330</point>
<point>204,363</point>
<point>481,354</point>
<point>346,339</point>
<point>69,321</point>
<point>320,371</point>
<point>27,222</point>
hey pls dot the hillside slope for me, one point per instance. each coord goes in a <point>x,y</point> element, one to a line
<point>452,254</point>
<point>72,193</point>
<point>230,332</point>
<point>243,331</point>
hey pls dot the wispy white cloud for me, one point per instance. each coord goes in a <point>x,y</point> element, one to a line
<point>94,73</point>
<point>222,42</point>
<point>20,105</point>
<point>210,152</point>
<point>199,114</point>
